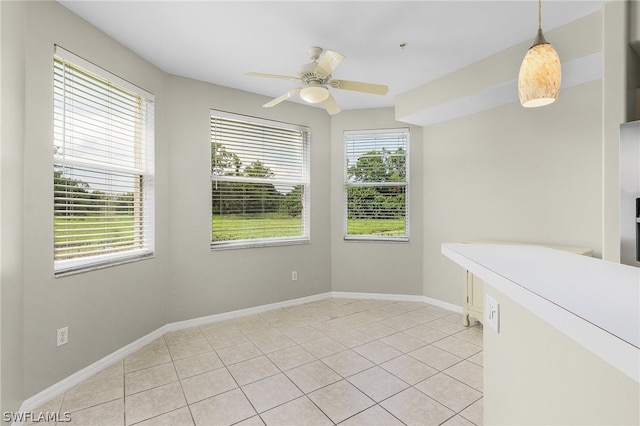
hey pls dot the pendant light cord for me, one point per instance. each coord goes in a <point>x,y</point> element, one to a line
<point>539,37</point>
<point>539,14</point>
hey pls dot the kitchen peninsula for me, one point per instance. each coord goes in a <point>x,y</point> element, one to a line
<point>567,348</point>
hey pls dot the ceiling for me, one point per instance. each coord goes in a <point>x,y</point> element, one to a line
<point>218,41</point>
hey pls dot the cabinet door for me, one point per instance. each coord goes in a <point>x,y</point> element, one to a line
<point>474,299</point>
<point>476,296</point>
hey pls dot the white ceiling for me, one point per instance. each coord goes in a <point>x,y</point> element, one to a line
<point>218,41</point>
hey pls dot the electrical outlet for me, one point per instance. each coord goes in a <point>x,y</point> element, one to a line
<point>62,336</point>
<point>492,312</point>
<point>294,276</point>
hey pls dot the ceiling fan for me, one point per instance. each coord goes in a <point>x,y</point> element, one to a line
<point>316,77</point>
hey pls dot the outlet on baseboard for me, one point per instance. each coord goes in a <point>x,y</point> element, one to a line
<point>294,276</point>
<point>62,336</point>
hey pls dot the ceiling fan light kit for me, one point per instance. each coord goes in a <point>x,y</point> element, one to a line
<point>540,73</point>
<point>314,94</point>
<point>316,80</point>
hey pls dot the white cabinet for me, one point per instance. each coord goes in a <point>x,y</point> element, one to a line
<point>473,306</point>
<point>567,322</point>
<point>474,299</point>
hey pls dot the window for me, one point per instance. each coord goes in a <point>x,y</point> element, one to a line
<point>102,167</point>
<point>259,182</point>
<point>377,185</point>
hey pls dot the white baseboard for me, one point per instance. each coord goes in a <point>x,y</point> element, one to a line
<point>76,378</point>
<point>444,305</point>
<point>244,312</point>
<point>67,383</point>
<point>378,296</point>
<point>399,298</point>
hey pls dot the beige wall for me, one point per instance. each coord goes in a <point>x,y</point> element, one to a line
<point>615,44</point>
<point>109,308</point>
<point>492,81</point>
<point>506,173</point>
<point>634,28</point>
<point>536,375</point>
<point>205,282</point>
<point>375,267</point>
<point>544,176</point>
<point>104,309</point>
<point>12,110</point>
<point>512,174</point>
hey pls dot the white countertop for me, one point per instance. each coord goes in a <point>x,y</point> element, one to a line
<point>594,302</point>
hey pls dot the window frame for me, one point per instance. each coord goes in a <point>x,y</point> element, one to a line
<point>305,237</point>
<point>142,156</point>
<point>405,184</point>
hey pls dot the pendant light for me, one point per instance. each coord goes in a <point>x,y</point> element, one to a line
<point>540,73</point>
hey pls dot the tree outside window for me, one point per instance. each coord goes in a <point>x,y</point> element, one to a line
<point>376,185</point>
<point>258,182</point>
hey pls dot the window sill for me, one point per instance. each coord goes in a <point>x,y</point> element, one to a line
<point>78,267</point>
<point>231,245</point>
<point>367,239</point>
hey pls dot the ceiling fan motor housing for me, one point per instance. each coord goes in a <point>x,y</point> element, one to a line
<point>309,76</point>
<point>316,77</point>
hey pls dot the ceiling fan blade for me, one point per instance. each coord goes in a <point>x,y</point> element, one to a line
<point>282,98</point>
<point>359,86</point>
<point>329,61</point>
<point>283,77</point>
<point>331,105</point>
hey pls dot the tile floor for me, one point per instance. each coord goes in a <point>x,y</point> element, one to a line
<point>335,361</point>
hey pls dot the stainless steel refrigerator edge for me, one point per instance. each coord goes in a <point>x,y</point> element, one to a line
<point>630,193</point>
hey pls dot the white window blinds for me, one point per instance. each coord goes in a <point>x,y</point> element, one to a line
<point>103,166</point>
<point>259,181</point>
<point>377,184</point>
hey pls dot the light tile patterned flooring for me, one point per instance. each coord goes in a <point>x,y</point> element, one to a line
<point>335,361</point>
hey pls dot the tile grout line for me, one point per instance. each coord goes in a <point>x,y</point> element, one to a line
<point>279,325</point>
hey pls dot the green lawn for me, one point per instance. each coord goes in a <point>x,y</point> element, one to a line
<point>235,227</point>
<point>78,235</point>
<point>382,227</point>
